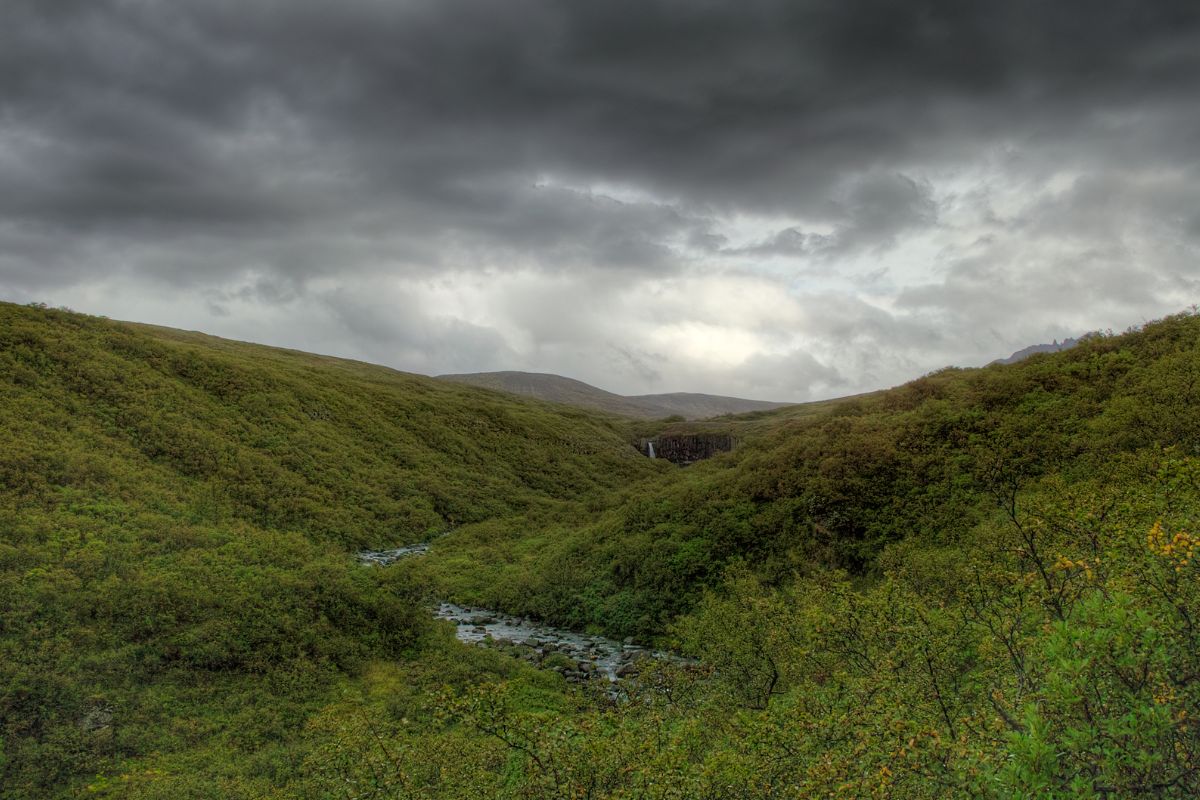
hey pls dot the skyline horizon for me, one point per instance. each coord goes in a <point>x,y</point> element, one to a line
<point>596,383</point>
<point>796,200</point>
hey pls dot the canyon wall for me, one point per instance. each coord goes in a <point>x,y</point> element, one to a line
<point>686,448</point>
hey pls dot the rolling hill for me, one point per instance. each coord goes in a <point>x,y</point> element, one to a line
<point>178,518</point>
<point>558,389</point>
<point>982,583</point>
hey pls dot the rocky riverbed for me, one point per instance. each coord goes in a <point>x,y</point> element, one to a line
<point>384,557</point>
<point>577,657</point>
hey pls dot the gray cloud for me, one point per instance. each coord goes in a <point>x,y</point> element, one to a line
<point>869,214</point>
<point>526,184</point>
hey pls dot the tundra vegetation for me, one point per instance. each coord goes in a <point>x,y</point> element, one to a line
<point>982,583</point>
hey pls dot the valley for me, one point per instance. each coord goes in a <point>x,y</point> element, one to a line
<point>577,657</point>
<point>230,570</point>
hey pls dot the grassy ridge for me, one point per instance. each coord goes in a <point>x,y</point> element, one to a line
<point>340,450</point>
<point>985,583</point>
<point>834,484</point>
<point>982,583</point>
<point>177,515</point>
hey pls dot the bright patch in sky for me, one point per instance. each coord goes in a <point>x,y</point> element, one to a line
<point>810,203</point>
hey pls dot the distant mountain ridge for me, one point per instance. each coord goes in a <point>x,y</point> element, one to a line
<point>1034,349</point>
<point>560,389</point>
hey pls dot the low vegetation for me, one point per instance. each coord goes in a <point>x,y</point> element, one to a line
<point>178,517</point>
<point>983,583</point>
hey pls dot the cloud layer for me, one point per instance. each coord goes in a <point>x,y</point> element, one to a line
<point>768,198</point>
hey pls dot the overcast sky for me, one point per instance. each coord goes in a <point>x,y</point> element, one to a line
<point>783,200</point>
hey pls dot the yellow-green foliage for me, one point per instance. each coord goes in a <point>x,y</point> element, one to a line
<point>812,488</point>
<point>1049,651</point>
<point>178,517</point>
<point>982,583</point>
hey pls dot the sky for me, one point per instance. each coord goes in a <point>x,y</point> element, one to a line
<point>777,199</point>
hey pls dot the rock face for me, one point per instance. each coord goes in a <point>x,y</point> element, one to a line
<point>687,448</point>
<point>1021,355</point>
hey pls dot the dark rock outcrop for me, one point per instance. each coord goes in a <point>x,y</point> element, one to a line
<point>687,448</point>
<point>1021,355</point>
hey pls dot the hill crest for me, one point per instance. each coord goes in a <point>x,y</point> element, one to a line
<point>569,391</point>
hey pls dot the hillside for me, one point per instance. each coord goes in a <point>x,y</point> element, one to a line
<point>692,405</point>
<point>982,583</point>
<point>835,483</point>
<point>557,389</point>
<point>178,517</point>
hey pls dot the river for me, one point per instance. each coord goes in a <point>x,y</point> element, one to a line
<point>577,656</point>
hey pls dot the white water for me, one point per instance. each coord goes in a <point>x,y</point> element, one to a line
<point>479,626</point>
<point>385,557</point>
<point>650,445</point>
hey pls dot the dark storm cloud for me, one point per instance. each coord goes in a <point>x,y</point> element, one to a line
<point>211,112</point>
<point>869,214</point>
<point>260,152</point>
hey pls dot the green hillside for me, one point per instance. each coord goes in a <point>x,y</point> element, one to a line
<point>979,584</point>
<point>178,515</point>
<point>834,484</point>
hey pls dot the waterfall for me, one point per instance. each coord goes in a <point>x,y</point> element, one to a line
<point>650,448</point>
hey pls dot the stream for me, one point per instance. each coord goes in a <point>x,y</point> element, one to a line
<point>576,656</point>
<point>585,656</point>
<point>383,558</point>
